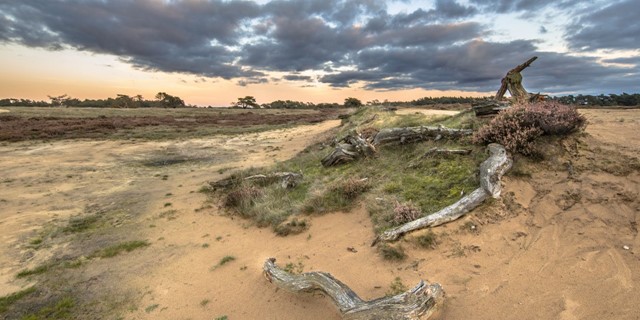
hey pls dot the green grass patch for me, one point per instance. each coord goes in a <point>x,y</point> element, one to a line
<point>59,310</point>
<point>35,271</point>
<point>7,301</point>
<point>395,174</point>
<point>223,261</point>
<point>117,249</point>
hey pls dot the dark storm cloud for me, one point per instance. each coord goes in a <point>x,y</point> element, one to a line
<point>614,27</point>
<point>297,77</point>
<point>254,80</point>
<point>479,66</point>
<point>628,60</point>
<point>169,36</point>
<point>431,48</point>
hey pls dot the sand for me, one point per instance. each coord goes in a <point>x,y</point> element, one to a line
<point>556,250</point>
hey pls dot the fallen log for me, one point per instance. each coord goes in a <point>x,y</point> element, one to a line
<point>421,302</point>
<point>489,108</point>
<point>413,134</point>
<point>491,170</point>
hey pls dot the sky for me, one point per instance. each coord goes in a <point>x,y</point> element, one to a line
<point>210,52</point>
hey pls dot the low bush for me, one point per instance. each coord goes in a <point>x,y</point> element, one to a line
<point>405,212</point>
<point>518,127</point>
<point>242,196</point>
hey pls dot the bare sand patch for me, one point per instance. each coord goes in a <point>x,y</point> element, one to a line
<point>3,110</point>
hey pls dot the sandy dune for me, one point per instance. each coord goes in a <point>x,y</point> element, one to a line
<point>553,249</point>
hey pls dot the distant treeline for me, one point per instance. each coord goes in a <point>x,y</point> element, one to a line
<point>624,99</point>
<point>162,100</point>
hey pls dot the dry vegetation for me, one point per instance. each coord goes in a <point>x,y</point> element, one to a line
<point>68,123</point>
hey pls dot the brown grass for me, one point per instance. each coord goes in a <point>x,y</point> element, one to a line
<point>18,128</point>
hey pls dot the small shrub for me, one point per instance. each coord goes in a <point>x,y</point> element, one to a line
<point>242,196</point>
<point>392,253</point>
<point>294,226</point>
<point>427,240</point>
<point>518,127</point>
<point>405,212</point>
<point>396,287</point>
<point>353,187</point>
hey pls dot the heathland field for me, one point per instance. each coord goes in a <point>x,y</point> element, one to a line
<point>109,214</point>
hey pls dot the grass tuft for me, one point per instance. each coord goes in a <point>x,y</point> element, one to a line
<point>392,253</point>
<point>117,249</point>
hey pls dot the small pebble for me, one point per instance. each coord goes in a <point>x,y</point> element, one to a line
<point>626,247</point>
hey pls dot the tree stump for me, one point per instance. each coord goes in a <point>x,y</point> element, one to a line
<point>421,302</point>
<point>513,82</point>
<point>349,148</point>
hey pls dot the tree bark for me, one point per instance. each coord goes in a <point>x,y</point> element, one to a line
<point>491,170</point>
<point>421,302</point>
<point>513,82</point>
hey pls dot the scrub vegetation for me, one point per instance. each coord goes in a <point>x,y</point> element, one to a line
<point>396,177</point>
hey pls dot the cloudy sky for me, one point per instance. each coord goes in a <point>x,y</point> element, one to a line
<point>213,51</point>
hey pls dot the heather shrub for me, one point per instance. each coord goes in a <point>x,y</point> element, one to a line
<point>405,212</point>
<point>518,127</point>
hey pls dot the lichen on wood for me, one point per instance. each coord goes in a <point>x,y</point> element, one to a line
<point>421,302</point>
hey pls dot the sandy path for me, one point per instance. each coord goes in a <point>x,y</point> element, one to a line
<point>45,183</point>
<point>3,110</point>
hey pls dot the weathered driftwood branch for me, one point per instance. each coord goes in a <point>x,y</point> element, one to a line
<point>413,134</point>
<point>491,170</point>
<point>287,179</point>
<point>349,148</point>
<point>418,303</point>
